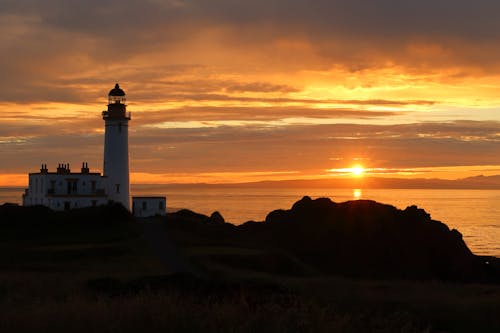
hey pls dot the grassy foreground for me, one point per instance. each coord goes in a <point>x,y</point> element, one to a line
<point>70,272</point>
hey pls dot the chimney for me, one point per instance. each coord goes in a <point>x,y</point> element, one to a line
<point>85,167</point>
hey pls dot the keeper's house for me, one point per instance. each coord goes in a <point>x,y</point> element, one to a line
<point>63,189</point>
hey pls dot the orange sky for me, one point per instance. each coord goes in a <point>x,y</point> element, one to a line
<point>237,91</point>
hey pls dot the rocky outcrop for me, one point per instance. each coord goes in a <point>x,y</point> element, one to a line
<point>367,239</point>
<point>361,238</point>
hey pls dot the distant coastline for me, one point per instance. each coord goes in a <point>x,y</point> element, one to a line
<point>477,182</point>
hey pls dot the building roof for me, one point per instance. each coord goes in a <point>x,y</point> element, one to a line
<point>68,174</point>
<point>116,91</point>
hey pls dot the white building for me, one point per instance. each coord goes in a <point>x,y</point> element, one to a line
<point>64,189</point>
<point>149,206</point>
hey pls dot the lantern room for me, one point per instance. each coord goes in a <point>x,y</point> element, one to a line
<point>116,95</point>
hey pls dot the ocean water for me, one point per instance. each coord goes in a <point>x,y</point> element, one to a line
<point>475,213</point>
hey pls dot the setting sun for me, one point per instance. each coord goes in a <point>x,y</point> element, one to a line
<point>357,170</point>
<point>354,171</point>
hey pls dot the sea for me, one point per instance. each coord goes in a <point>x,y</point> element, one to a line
<point>475,213</point>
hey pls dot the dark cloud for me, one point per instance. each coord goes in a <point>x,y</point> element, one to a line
<point>358,19</point>
<point>46,41</point>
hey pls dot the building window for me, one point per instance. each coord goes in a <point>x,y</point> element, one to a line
<point>67,205</point>
<point>144,205</point>
<point>160,205</point>
<point>117,188</point>
<point>93,185</point>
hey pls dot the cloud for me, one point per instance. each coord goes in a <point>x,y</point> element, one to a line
<point>309,148</point>
<point>275,82</point>
<point>260,87</point>
<point>241,113</point>
<point>129,40</point>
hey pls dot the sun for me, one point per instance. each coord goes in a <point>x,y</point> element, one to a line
<point>357,170</point>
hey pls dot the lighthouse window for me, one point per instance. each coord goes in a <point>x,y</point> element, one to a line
<point>117,188</point>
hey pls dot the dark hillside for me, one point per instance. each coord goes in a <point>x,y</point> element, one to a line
<point>360,238</point>
<point>94,270</point>
<point>39,223</point>
<point>39,240</point>
<point>368,239</point>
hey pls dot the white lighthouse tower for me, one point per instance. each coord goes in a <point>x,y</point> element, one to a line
<point>116,168</point>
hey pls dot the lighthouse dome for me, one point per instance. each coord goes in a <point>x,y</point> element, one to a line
<point>116,91</point>
<point>116,95</point>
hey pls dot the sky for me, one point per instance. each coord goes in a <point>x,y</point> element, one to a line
<point>249,90</point>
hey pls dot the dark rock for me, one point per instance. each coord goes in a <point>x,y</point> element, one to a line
<point>368,239</point>
<point>359,238</point>
<point>216,217</point>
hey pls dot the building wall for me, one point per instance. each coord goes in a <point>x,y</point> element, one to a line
<point>65,191</point>
<point>149,206</point>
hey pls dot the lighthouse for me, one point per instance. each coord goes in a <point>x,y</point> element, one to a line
<point>116,168</point>
<point>64,189</point>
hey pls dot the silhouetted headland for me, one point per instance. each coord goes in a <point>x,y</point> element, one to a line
<point>362,239</point>
<point>359,238</point>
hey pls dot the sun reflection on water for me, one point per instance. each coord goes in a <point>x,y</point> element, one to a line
<point>356,193</point>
